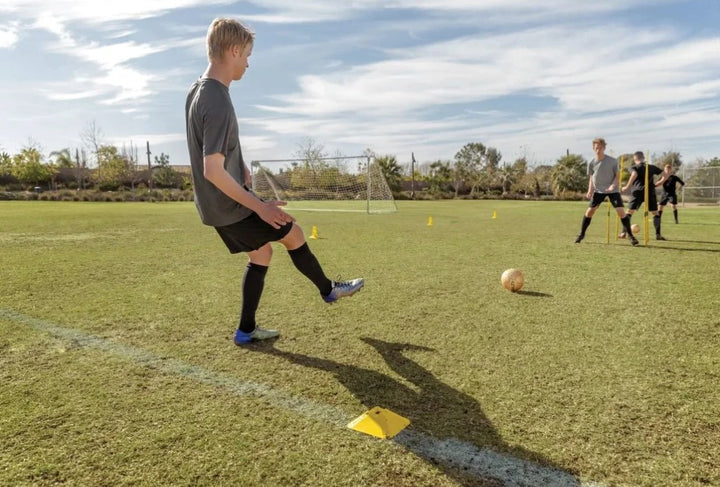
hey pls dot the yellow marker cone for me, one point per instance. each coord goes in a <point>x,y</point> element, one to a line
<point>379,422</point>
<point>494,217</point>
<point>430,221</point>
<point>314,234</point>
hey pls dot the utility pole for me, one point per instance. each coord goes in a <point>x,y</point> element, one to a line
<point>412,177</point>
<point>150,174</point>
<point>79,170</point>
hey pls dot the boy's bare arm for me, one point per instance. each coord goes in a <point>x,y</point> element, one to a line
<point>214,171</point>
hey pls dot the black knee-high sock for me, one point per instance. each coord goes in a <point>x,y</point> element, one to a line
<point>626,224</point>
<point>253,284</point>
<point>656,223</point>
<point>585,224</point>
<point>306,262</point>
<point>675,215</point>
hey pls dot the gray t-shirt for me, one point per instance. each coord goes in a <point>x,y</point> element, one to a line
<point>603,174</point>
<point>212,128</point>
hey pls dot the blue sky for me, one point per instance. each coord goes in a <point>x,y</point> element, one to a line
<point>530,78</point>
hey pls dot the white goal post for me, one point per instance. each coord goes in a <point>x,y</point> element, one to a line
<point>344,183</point>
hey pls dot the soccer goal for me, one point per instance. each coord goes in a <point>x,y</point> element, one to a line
<point>349,183</point>
<point>702,184</point>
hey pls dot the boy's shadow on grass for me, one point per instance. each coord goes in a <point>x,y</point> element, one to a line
<point>439,415</point>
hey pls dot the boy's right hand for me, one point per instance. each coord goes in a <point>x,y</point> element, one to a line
<point>274,215</point>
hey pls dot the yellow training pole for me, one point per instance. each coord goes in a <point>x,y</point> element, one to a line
<point>607,236</point>
<point>617,217</point>
<point>646,236</point>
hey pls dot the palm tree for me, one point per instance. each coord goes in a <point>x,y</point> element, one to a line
<point>569,174</point>
<point>506,175</point>
<point>5,163</point>
<point>63,159</point>
<point>391,171</point>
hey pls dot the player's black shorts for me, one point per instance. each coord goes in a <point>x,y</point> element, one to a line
<point>250,234</point>
<point>671,198</point>
<point>638,197</point>
<point>615,199</point>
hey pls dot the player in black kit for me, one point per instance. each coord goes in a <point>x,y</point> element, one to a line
<point>637,182</point>
<point>669,195</point>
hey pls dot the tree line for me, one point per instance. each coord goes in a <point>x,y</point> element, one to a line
<point>475,171</point>
<point>114,170</point>
<point>478,170</point>
<point>97,165</point>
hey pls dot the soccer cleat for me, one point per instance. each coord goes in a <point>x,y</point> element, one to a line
<point>634,241</point>
<point>241,338</point>
<point>342,289</point>
<point>579,238</point>
<point>659,237</point>
<point>622,235</point>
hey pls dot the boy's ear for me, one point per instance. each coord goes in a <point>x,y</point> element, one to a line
<point>231,51</point>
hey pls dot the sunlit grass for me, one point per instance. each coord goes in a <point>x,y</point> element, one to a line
<point>605,365</point>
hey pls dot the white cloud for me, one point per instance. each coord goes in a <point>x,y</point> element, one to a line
<point>8,36</point>
<point>128,85</point>
<point>628,72</point>
<point>59,95</point>
<point>114,80</point>
<point>156,138</point>
<point>113,55</point>
<point>292,11</point>
<point>487,12</point>
<point>92,11</point>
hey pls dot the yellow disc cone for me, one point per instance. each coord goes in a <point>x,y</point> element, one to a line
<point>314,234</point>
<point>430,221</point>
<point>379,422</point>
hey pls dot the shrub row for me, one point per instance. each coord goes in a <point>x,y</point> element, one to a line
<point>187,195</point>
<point>449,195</point>
<point>107,196</point>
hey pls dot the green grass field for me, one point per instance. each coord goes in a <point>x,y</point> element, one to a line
<point>117,366</point>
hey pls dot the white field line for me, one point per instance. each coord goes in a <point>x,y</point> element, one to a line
<point>466,457</point>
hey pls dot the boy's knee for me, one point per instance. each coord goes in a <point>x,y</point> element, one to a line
<point>294,239</point>
<point>261,256</point>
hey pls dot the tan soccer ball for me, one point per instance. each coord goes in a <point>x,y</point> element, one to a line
<point>635,228</point>
<point>512,280</point>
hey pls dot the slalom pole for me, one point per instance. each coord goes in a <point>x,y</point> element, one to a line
<point>607,236</point>
<point>646,236</point>
<point>617,217</point>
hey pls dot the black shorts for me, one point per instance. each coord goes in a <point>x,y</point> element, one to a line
<point>250,234</point>
<point>671,198</point>
<point>615,199</point>
<point>638,197</point>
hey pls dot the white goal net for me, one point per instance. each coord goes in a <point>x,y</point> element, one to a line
<point>702,184</point>
<point>354,183</point>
